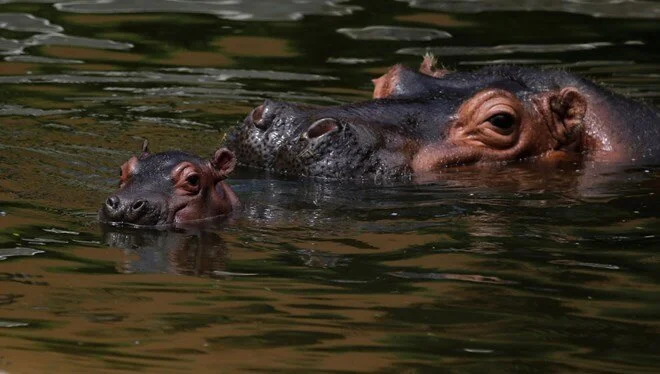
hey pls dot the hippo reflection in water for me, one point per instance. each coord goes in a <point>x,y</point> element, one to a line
<point>424,121</point>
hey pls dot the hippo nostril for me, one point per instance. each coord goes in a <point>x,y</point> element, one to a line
<point>138,205</point>
<point>112,202</point>
<point>257,118</point>
<point>322,127</point>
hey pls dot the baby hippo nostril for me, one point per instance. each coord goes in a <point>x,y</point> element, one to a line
<point>138,205</point>
<point>257,117</point>
<point>112,203</point>
<point>322,127</point>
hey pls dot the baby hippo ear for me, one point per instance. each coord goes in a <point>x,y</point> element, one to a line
<point>145,149</point>
<point>223,161</point>
<point>570,107</point>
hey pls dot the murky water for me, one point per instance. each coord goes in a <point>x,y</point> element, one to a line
<point>509,269</point>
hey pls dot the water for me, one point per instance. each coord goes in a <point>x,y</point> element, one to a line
<point>507,269</point>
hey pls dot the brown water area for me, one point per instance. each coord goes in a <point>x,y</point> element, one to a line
<point>511,268</point>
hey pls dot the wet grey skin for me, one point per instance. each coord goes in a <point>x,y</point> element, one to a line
<point>377,139</point>
<point>371,140</point>
<point>144,199</point>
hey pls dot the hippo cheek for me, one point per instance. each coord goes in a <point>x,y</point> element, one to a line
<point>224,199</point>
<point>196,208</point>
<point>186,210</point>
<point>433,157</point>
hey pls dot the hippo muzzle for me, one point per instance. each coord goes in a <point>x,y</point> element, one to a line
<point>144,209</point>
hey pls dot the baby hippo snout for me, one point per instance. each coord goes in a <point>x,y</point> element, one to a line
<point>139,211</point>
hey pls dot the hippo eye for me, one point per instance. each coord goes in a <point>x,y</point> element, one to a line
<point>503,121</point>
<point>193,180</point>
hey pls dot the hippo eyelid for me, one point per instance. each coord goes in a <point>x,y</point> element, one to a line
<point>193,180</point>
<point>502,120</point>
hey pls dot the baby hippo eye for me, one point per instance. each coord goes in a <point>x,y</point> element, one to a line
<point>193,180</point>
<point>503,121</point>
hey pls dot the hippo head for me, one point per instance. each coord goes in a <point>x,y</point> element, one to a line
<point>419,122</point>
<point>171,187</point>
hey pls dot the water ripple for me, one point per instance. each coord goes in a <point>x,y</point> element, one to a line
<point>205,76</point>
<point>394,33</point>
<point>18,251</point>
<point>605,9</point>
<point>502,49</point>
<point>17,110</point>
<point>225,74</point>
<point>74,41</point>
<point>585,264</point>
<point>448,276</point>
<point>27,23</point>
<point>236,10</point>
<point>42,60</point>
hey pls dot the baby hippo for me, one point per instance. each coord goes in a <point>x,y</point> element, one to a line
<point>170,188</point>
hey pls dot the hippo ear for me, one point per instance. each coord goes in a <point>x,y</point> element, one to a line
<point>429,66</point>
<point>570,107</point>
<point>223,162</point>
<point>386,84</point>
<point>145,149</point>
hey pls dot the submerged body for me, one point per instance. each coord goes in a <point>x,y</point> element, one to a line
<point>421,122</point>
<point>170,188</point>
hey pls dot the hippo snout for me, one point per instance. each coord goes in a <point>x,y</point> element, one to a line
<point>139,211</point>
<point>256,117</point>
<point>263,132</point>
<point>269,115</point>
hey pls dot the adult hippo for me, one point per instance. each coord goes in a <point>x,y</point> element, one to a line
<point>424,121</point>
<point>171,188</point>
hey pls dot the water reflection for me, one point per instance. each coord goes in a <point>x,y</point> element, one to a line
<point>516,267</point>
<point>190,252</point>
